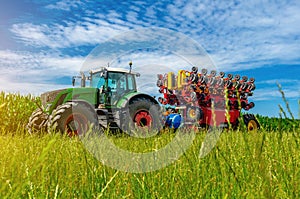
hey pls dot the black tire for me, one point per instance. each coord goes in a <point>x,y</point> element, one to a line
<point>251,122</point>
<point>142,114</point>
<point>37,122</point>
<point>73,118</point>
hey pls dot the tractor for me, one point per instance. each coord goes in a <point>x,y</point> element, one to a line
<point>111,100</point>
<point>205,99</point>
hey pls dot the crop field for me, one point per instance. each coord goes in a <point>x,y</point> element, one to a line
<point>263,164</point>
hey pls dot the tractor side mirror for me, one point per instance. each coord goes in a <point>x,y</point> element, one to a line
<point>73,81</point>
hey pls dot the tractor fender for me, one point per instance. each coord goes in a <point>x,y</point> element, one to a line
<point>91,107</point>
<point>128,99</point>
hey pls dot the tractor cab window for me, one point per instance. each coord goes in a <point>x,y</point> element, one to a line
<point>131,82</point>
<point>121,82</point>
<point>116,81</point>
<point>97,80</point>
<point>114,84</point>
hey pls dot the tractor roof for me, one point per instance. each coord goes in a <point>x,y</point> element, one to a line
<point>122,70</point>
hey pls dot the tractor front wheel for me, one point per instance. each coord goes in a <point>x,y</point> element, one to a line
<point>37,121</point>
<point>72,118</point>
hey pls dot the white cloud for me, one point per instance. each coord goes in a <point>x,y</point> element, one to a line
<point>268,89</point>
<point>150,45</point>
<point>31,72</point>
<point>20,60</point>
<point>73,34</point>
<point>273,93</point>
<point>24,88</point>
<point>234,33</point>
<point>132,16</point>
<point>65,5</point>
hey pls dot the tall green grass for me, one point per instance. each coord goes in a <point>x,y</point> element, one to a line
<point>263,164</point>
<point>15,109</point>
<point>258,165</point>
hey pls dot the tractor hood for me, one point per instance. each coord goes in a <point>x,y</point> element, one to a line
<point>55,98</point>
<point>50,96</point>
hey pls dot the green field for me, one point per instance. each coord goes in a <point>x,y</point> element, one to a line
<point>262,164</point>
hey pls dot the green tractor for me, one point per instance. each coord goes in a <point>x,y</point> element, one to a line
<point>110,101</point>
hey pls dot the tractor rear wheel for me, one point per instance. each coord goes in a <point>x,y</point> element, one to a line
<point>251,122</point>
<point>72,118</point>
<point>143,115</point>
<point>37,121</point>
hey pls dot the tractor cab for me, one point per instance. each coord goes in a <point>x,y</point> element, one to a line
<point>113,83</point>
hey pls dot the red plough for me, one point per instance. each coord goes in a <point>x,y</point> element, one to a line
<point>207,99</point>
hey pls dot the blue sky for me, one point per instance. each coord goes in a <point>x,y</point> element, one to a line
<point>44,43</point>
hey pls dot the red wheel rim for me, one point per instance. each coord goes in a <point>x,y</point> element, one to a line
<point>143,118</point>
<point>76,124</point>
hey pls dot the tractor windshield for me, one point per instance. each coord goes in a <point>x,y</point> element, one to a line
<point>97,80</point>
